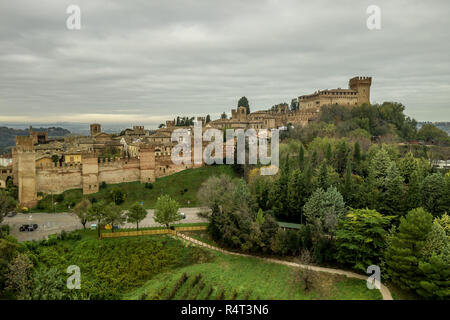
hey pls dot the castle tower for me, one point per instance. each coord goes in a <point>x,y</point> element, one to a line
<point>240,114</point>
<point>95,128</point>
<point>25,166</point>
<point>147,164</point>
<point>362,86</point>
<point>89,174</point>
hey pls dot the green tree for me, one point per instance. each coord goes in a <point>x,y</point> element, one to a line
<point>136,214</point>
<point>114,215</point>
<point>260,217</point>
<point>413,196</point>
<point>97,213</point>
<point>117,195</point>
<point>81,211</point>
<point>324,210</point>
<point>357,152</point>
<point>342,154</point>
<point>405,249</point>
<point>166,210</point>
<point>347,187</point>
<point>55,159</point>
<point>296,193</point>
<point>431,134</point>
<point>301,157</point>
<point>323,180</point>
<point>243,102</point>
<point>407,165</point>
<point>217,191</point>
<point>391,202</point>
<point>260,187</point>
<point>7,204</point>
<point>360,238</point>
<point>435,262</point>
<point>433,193</point>
<point>380,165</point>
<point>47,284</point>
<point>329,154</point>
<point>18,277</point>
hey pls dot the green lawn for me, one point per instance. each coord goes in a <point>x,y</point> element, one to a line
<point>231,277</point>
<point>182,186</point>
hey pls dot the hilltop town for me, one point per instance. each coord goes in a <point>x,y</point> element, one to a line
<point>52,166</point>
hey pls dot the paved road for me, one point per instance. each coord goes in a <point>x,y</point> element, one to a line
<point>51,223</point>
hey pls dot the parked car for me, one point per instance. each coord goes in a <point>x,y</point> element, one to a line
<point>183,215</point>
<point>11,214</point>
<point>28,227</point>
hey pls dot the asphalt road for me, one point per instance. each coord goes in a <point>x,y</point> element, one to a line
<point>51,223</point>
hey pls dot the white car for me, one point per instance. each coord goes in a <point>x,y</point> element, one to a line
<point>183,215</point>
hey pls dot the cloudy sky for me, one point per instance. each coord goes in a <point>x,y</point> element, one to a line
<point>143,61</point>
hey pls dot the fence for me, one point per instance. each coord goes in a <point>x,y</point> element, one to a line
<point>149,232</point>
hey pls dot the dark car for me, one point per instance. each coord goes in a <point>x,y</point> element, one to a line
<point>11,214</point>
<point>28,227</point>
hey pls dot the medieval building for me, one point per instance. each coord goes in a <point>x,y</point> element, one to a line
<point>51,166</point>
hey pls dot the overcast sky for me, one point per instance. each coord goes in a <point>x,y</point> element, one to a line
<point>143,61</point>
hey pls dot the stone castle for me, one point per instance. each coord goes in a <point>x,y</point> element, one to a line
<point>51,166</point>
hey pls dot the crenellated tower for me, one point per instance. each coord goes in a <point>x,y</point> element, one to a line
<point>362,86</point>
<point>25,168</point>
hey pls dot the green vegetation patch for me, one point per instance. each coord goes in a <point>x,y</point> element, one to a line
<point>233,277</point>
<point>111,267</point>
<point>181,186</point>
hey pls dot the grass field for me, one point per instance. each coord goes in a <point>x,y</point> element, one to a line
<point>182,186</point>
<point>231,277</point>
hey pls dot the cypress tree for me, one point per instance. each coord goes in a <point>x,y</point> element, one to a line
<point>322,180</point>
<point>301,157</point>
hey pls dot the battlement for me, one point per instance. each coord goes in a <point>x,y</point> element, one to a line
<point>24,144</point>
<point>359,80</point>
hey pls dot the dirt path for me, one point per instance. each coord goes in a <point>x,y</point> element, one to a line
<point>385,293</point>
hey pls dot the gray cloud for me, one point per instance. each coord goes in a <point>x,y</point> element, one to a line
<point>144,61</point>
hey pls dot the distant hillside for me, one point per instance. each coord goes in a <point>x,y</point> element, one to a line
<point>7,135</point>
<point>441,125</point>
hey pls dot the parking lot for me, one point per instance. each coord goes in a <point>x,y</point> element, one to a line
<point>51,223</point>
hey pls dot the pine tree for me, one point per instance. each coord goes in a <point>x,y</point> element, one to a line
<point>323,180</point>
<point>295,195</point>
<point>405,250</point>
<point>314,159</point>
<point>392,197</point>
<point>243,102</point>
<point>342,153</point>
<point>301,157</point>
<point>357,153</point>
<point>329,154</point>
<point>347,188</point>
<point>435,264</point>
<point>433,192</point>
<point>412,199</point>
